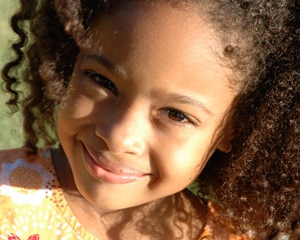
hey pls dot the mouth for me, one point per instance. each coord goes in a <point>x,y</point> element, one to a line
<point>104,169</point>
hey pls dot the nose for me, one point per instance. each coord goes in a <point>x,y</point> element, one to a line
<point>124,130</point>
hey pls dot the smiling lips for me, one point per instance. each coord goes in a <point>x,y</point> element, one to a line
<point>109,171</point>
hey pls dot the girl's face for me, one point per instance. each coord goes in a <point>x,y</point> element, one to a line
<point>145,107</point>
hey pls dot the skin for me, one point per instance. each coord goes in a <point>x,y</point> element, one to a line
<point>159,112</point>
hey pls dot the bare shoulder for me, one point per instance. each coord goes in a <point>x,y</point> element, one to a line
<point>25,154</point>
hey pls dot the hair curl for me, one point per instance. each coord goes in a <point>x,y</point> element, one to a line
<point>258,184</point>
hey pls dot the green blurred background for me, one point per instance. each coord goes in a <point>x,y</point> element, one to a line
<point>10,125</point>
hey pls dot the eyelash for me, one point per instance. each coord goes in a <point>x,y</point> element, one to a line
<point>181,117</point>
<point>102,81</point>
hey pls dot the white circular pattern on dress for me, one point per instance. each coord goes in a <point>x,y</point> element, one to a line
<point>20,176</point>
<point>36,208</point>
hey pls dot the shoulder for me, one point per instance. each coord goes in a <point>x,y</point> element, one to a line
<point>201,219</point>
<point>214,229</point>
<point>19,168</point>
<point>210,234</point>
<point>12,155</point>
<point>31,200</point>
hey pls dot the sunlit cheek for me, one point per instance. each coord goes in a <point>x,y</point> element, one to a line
<point>75,105</point>
<point>187,157</point>
<point>195,153</point>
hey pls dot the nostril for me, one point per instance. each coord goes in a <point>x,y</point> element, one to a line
<point>122,139</point>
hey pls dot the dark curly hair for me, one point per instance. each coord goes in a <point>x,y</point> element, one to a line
<point>257,184</point>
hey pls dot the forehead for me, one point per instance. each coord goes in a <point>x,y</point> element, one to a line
<point>150,30</point>
<point>150,16</point>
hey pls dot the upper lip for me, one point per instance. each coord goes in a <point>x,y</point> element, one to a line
<point>112,166</point>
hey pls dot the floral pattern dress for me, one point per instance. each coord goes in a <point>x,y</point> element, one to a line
<point>32,205</point>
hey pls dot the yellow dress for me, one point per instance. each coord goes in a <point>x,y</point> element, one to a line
<point>32,205</point>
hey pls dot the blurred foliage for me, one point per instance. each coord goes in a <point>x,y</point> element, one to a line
<point>10,125</point>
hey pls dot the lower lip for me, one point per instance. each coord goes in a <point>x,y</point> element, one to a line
<point>107,176</point>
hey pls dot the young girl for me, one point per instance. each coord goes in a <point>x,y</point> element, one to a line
<point>144,95</point>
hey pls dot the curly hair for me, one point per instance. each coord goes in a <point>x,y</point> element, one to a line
<point>257,184</point>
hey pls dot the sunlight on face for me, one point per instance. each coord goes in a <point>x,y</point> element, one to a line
<point>145,106</point>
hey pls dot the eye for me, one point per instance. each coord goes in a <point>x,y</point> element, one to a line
<point>177,116</point>
<point>102,81</point>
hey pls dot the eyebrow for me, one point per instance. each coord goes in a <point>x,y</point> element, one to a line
<point>184,99</point>
<point>105,62</point>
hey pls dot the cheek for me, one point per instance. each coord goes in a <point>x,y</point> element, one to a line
<point>75,106</point>
<point>73,113</point>
<point>183,160</point>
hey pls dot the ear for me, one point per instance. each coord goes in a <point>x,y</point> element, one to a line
<point>224,144</point>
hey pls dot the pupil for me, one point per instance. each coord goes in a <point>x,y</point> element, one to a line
<point>176,116</point>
